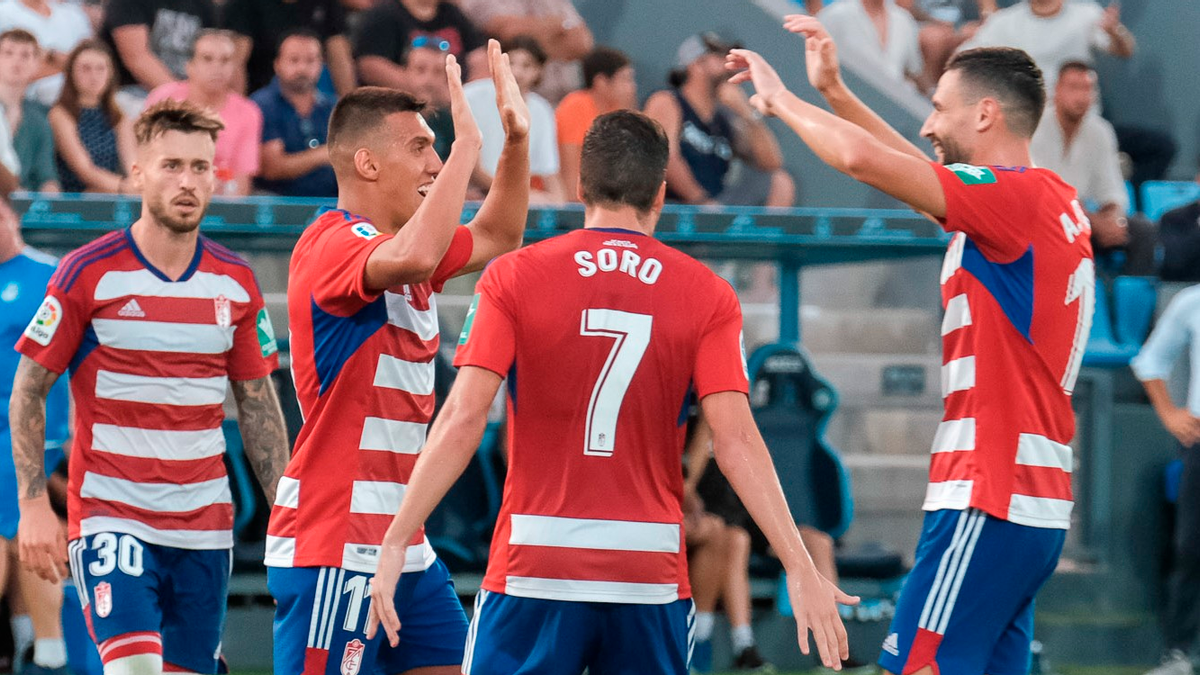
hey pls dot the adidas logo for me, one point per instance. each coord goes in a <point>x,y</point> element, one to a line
<point>132,310</point>
<point>892,644</point>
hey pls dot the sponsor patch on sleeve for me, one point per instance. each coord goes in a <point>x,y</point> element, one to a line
<point>45,323</point>
<point>266,334</point>
<point>466,331</point>
<point>970,174</point>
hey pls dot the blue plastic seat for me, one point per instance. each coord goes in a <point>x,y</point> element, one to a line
<point>1134,299</point>
<point>1160,196</point>
<point>1104,348</point>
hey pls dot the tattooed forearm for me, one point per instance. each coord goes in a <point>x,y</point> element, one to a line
<point>263,431</point>
<point>27,419</point>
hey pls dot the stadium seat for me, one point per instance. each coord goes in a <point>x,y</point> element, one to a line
<point>1160,196</point>
<point>1134,299</point>
<point>1104,349</point>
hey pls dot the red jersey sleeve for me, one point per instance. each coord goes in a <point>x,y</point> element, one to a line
<point>456,258</point>
<point>488,337</point>
<point>54,335</point>
<point>255,354</point>
<point>721,359</point>
<point>985,203</point>
<point>340,266</point>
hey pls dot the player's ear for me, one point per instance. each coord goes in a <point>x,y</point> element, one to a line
<point>579,190</point>
<point>365,164</point>
<point>988,114</point>
<point>661,198</point>
<point>136,176</point>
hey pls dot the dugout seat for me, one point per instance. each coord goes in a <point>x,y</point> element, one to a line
<point>1160,196</point>
<point>1120,323</point>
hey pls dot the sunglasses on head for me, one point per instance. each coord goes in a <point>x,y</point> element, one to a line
<point>430,42</point>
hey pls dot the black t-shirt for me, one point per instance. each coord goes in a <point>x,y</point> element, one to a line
<point>388,30</point>
<point>173,26</point>
<point>265,21</point>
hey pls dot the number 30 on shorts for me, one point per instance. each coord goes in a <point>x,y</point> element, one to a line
<point>116,551</point>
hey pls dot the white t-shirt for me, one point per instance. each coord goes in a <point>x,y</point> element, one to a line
<point>65,28</point>
<point>1090,165</point>
<point>543,146</point>
<point>855,36</point>
<point>1071,35</point>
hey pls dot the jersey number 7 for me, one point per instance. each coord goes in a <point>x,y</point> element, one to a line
<point>632,334</point>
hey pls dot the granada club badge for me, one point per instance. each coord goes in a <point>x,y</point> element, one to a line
<point>103,599</point>
<point>224,313</point>
<point>352,657</point>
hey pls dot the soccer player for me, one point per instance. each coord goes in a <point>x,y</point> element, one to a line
<point>603,334</point>
<point>155,321</point>
<point>364,334</point>
<point>24,273</point>
<point>1017,285</point>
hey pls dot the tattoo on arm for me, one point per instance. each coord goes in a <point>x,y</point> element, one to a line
<point>27,418</point>
<point>263,431</point>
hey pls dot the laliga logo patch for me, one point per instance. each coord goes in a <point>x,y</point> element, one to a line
<point>352,657</point>
<point>103,599</point>
<point>45,323</point>
<point>224,313</point>
<point>365,230</point>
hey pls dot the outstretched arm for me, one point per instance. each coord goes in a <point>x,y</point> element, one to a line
<point>843,145</point>
<point>43,546</point>
<point>825,76</point>
<point>452,441</point>
<point>499,226</point>
<point>264,433</point>
<point>742,455</point>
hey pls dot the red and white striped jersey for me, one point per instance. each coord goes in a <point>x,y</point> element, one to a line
<point>601,334</point>
<point>1018,287</point>
<point>150,362</point>
<point>363,366</point>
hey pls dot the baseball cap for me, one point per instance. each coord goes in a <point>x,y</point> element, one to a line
<point>700,44</point>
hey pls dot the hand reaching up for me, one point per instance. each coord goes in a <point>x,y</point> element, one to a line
<point>820,54</point>
<point>752,67</point>
<point>514,114</point>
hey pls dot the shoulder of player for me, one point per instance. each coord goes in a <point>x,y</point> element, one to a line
<point>77,262</point>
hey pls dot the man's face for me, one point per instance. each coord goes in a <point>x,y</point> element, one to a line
<point>211,67</point>
<point>621,88</point>
<point>407,163</point>
<point>18,62</point>
<point>427,75</point>
<point>526,70</point>
<point>176,174</point>
<point>298,65</point>
<point>710,68</point>
<point>950,127</point>
<point>1074,92</point>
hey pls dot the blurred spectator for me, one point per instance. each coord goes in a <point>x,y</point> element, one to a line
<point>389,29</point>
<point>294,159</point>
<point>610,85</point>
<point>1176,334</point>
<point>527,59</point>
<point>153,39</point>
<point>209,84</point>
<point>262,24</point>
<point>93,138</point>
<point>558,27</point>
<point>878,35</point>
<point>32,139</point>
<point>58,27</point>
<point>709,122</point>
<point>1179,235</point>
<point>1082,149</point>
<point>425,68</point>
<point>945,24</point>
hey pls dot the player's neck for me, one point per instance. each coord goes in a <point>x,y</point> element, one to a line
<point>11,245</point>
<point>1006,153</point>
<point>358,201</point>
<point>170,252</point>
<point>626,218</point>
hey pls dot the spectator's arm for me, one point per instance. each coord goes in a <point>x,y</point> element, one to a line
<point>242,45</point>
<point>568,170</point>
<point>753,141</point>
<point>382,72</point>
<point>70,147</point>
<point>663,108</point>
<point>280,165</point>
<point>1109,227</point>
<point>1121,42</point>
<point>50,187</point>
<point>133,48</point>
<point>341,64</point>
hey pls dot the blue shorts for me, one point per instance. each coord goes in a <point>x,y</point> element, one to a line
<point>321,622</point>
<point>551,637</point>
<point>141,598</point>
<point>967,606</point>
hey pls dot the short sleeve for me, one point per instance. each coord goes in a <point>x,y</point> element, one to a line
<point>380,34</point>
<point>255,353</point>
<point>721,357</point>
<point>120,13</point>
<point>571,121</point>
<point>488,337</point>
<point>457,256</point>
<point>340,265</point>
<point>981,202</point>
<point>54,334</point>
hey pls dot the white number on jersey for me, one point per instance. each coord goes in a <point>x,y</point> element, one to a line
<point>1081,287</point>
<point>632,335</point>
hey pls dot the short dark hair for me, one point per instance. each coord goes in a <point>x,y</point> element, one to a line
<point>363,110</point>
<point>624,161</point>
<point>527,43</point>
<point>171,115</point>
<point>20,36</point>
<point>1074,65</point>
<point>1008,75</point>
<point>306,33</point>
<point>211,32</point>
<point>604,61</point>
